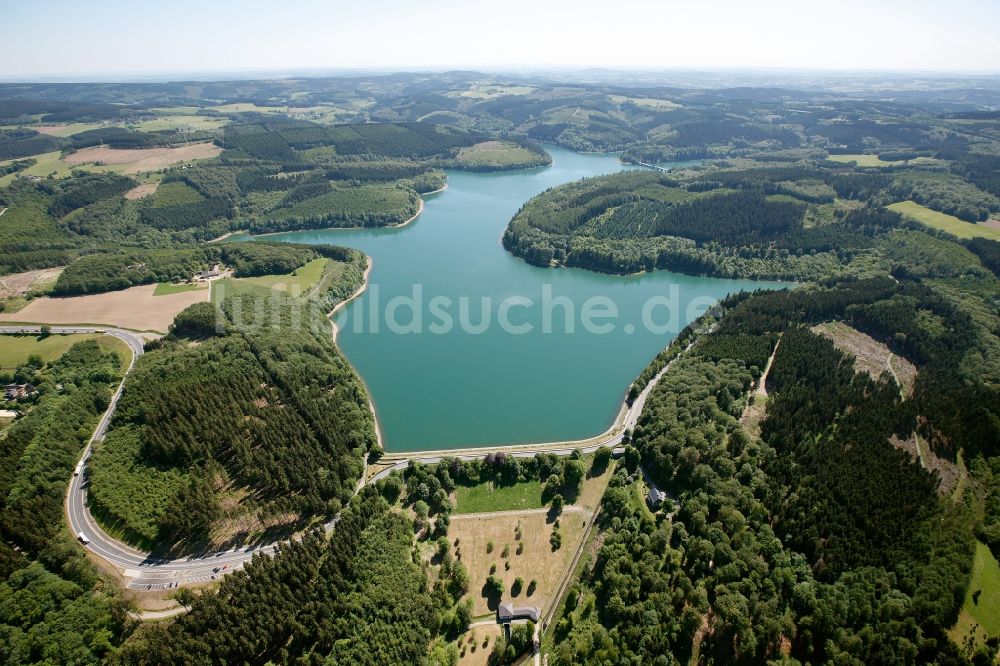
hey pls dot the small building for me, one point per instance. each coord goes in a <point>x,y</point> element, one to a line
<point>18,391</point>
<point>655,498</point>
<point>508,611</point>
<point>213,272</point>
<point>8,414</point>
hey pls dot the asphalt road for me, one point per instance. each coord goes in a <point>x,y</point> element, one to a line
<point>147,572</point>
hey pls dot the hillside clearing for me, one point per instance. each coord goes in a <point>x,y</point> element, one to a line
<point>870,355</point>
<point>944,222</point>
<point>18,284</point>
<point>140,191</point>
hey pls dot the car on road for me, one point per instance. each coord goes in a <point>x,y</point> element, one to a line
<point>83,538</point>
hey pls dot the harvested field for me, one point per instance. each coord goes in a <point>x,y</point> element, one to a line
<point>68,129</point>
<point>135,308</point>
<point>870,355</point>
<point>18,284</point>
<point>143,159</point>
<point>140,191</point>
<point>537,560</point>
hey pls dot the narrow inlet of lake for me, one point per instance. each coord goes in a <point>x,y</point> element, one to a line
<point>462,344</point>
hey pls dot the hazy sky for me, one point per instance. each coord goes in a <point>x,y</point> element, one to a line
<point>108,37</point>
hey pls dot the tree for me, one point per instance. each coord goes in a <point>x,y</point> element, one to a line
<point>421,509</point>
<point>557,503</point>
<point>522,636</point>
<point>494,586</point>
<point>463,616</point>
<point>517,586</point>
<point>441,524</point>
<point>391,488</point>
<point>459,580</point>
<point>185,597</point>
<point>443,546</point>
<point>602,458</point>
<point>632,459</point>
<point>574,472</point>
<point>555,540</point>
<point>552,485</point>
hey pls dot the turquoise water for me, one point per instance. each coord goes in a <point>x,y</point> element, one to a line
<point>435,388</point>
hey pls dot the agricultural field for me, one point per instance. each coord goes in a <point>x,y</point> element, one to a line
<point>137,160</point>
<point>135,308</point>
<point>944,222</point>
<point>68,129</point>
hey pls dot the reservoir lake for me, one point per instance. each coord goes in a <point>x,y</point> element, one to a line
<point>532,354</point>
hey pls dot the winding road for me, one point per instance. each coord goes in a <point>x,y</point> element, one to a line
<point>144,571</point>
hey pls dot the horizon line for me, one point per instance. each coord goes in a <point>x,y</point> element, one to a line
<point>249,73</point>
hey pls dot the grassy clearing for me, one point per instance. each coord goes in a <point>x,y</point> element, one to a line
<point>488,91</point>
<point>944,222</point>
<point>868,161</point>
<point>300,281</point>
<point>647,102</point>
<point>167,288</point>
<point>181,122</point>
<point>237,287</point>
<point>537,560</point>
<point>475,647</point>
<point>980,614</point>
<point>46,164</point>
<point>246,107</point>
<point>497,154</point>
<point>487,497</point>
<point>15,349</point>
